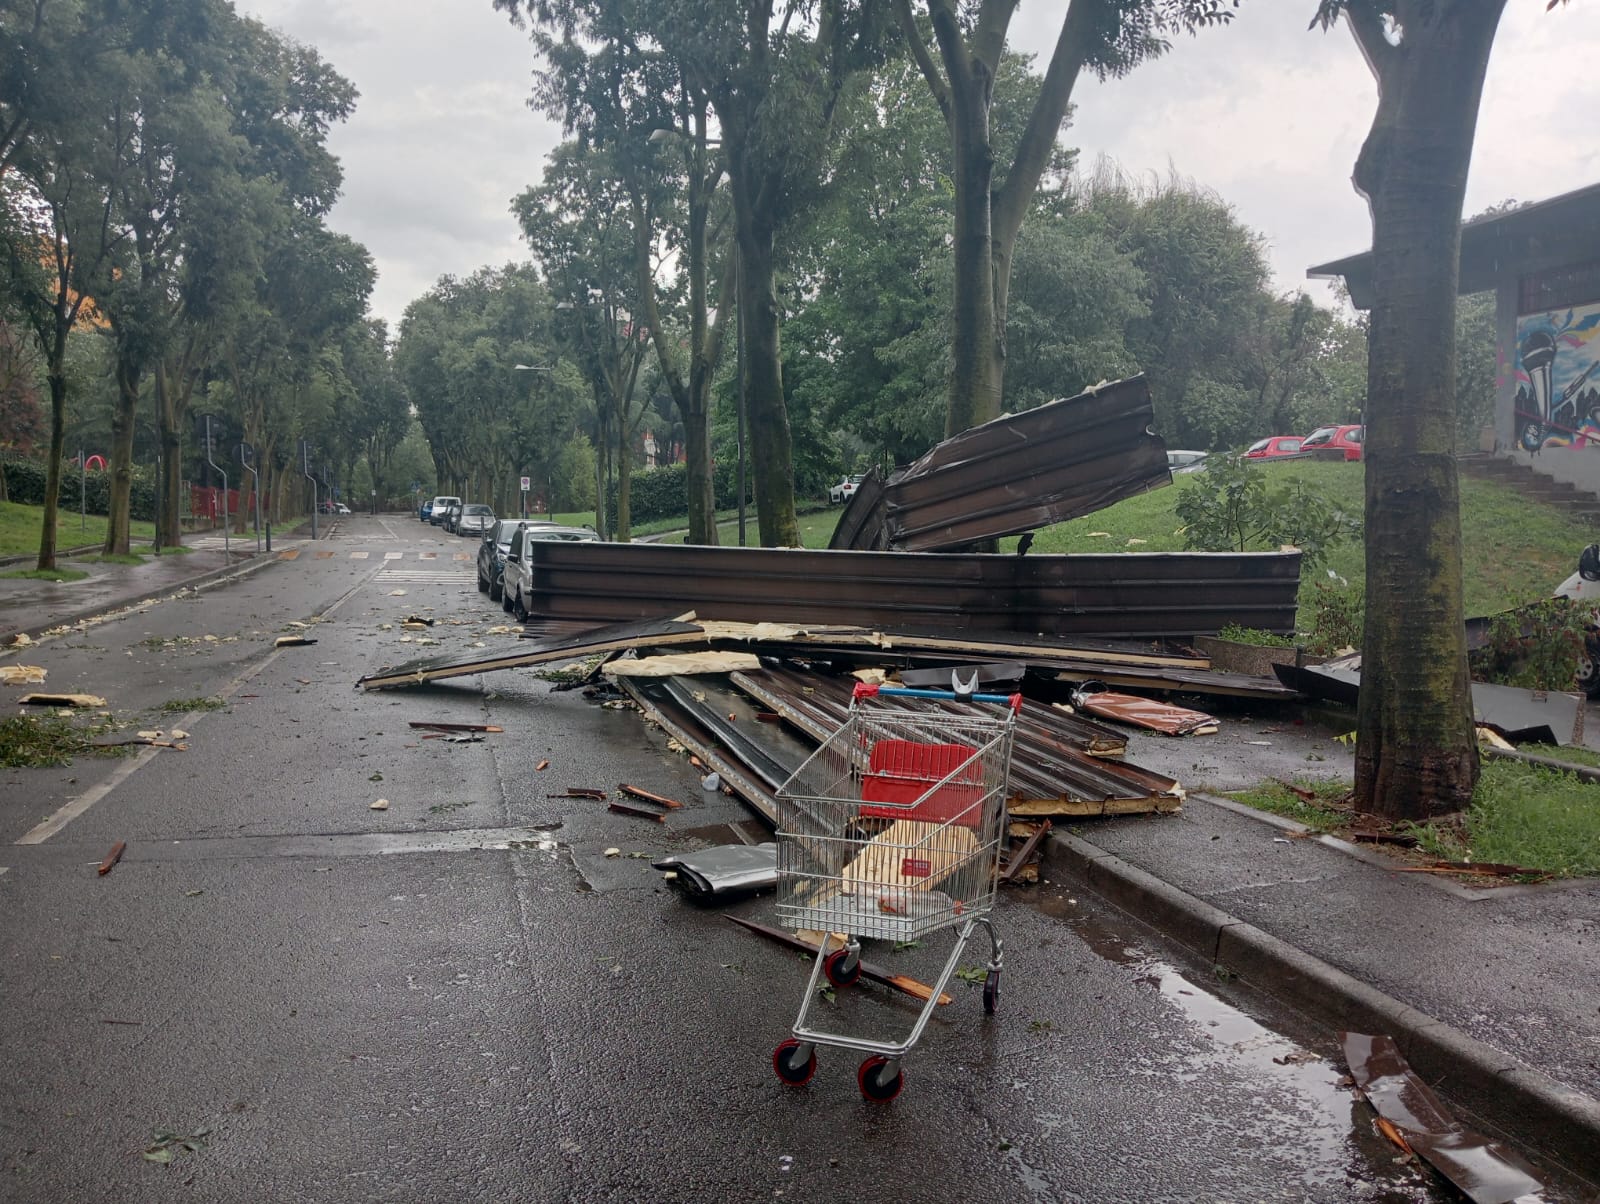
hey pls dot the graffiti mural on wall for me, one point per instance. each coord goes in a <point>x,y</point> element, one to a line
<point>1558,378</point>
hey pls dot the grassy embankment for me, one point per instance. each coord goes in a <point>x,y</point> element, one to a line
<point>19,536</point>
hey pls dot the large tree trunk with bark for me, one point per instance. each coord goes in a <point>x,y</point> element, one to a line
<point>169,418</point>
<point>122,420</point>
<point>767,414</point>
<point>56,375</point>
<point>1416,752</point>
<point>978,349</point>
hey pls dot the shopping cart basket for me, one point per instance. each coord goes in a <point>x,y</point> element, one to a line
<point>892,829</point>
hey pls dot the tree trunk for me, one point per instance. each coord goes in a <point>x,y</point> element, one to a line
<point>122,420</point>
<point>770,448</point>
<point>624,530</point>
<point>978,347</point>
<point>169,413</point>
<point>1416,752</point>
<point>57,376</point>
<point>697,457</point>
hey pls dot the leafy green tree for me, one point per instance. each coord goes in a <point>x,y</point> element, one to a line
<point>581,227</point>
<point>993,195</point>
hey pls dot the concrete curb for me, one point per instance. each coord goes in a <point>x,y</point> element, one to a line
<point>199,581</point>
<point>1561,1123</point>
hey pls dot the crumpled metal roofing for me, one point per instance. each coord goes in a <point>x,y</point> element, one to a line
<point>1016,473</point>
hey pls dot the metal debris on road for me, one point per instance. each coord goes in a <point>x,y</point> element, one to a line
<point>649,797</point>
<point>641,812</point>
<point>1486,1171</point>
<point>292,641</point>
<point>114,856</point>
<point>723,870</point>
<point>1147,713</point>
<point>588,792</point>
<point>436,726</point>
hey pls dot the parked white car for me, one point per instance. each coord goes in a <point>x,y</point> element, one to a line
<point>841,493</point>
<point>516,584</point>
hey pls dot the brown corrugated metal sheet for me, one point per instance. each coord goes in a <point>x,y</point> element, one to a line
<point>861,527</point>
<point>1131,595</point>
<point>1017,473</point>
<point>1051,774</point>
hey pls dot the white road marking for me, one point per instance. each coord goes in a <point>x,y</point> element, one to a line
<point>359,555</point>
<point>70,810</point>
<point>393,555</point>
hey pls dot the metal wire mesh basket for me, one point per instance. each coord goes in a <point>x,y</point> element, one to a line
<point>892,828</point>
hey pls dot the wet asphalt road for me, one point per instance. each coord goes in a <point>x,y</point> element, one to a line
<point>461,998</point>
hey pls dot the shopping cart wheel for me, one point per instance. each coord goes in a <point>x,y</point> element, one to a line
<point>877,1082</point>
<point>842,967</point>
<point>795,1062</point>
<point>991,993</point>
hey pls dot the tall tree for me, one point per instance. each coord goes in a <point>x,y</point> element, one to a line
<point>1416,752</point>
<point>611,88</point>
<point>1110,37</point>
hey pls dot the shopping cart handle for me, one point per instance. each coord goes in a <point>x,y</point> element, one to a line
<point>867,690</point>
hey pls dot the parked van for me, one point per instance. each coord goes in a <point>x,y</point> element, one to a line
<point>441,507</point>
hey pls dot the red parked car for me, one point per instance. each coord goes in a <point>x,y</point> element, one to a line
<point>1274,445</point>
<point>1325,441</point>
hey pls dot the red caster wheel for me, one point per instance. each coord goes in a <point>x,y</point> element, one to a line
<point>877,1082</point>
<point>842,967</point>
<point>795,1062</point>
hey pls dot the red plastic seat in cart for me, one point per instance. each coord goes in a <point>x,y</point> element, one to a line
<point>901,772</point>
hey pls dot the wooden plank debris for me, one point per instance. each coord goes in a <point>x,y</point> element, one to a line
<point>899,982</point>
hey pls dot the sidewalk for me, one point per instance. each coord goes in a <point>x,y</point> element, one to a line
<point>33,607</point>
<point>1492,994</point>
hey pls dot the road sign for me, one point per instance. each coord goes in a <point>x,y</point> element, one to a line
<point>527,484</point>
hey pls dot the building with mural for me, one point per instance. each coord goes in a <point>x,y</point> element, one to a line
<point>1542,262</point>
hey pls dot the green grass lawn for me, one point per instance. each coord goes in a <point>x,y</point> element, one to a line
<point>1521,814</point>
<point>19,529</point>
<point>1514,550</point>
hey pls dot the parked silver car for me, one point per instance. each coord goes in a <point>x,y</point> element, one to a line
<point>516,584</point>
<point>474,519</point>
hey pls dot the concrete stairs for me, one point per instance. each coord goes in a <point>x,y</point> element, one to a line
<point>1485,466</point>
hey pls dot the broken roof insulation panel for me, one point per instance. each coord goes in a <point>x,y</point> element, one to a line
<point>1100,595</point>
<point>1028,470</point>
<point>1051,773</point>
<point>1535,716</point>
<point>539,652</point>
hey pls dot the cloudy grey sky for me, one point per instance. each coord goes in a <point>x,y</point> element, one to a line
<point>1266,113</point>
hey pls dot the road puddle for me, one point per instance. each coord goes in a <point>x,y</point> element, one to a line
<point>1301,1091</point>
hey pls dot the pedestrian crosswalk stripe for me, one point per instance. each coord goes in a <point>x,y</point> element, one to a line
<point>461,556</point>
<point>393,555</point>
<point>359,555</point>
<point>291,554</point>
<point>429,555</point>
<point>324,555</point>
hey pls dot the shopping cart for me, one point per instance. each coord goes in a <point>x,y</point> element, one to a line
<point>892,829</point>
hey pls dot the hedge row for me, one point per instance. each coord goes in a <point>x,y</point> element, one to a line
<point>657,493</point>
<point>25,482</point>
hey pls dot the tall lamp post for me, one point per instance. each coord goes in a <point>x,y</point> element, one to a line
<point>523,481</point>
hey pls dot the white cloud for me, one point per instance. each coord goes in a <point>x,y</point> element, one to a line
<point>1267,113</point>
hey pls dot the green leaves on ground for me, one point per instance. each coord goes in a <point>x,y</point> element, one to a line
<point>165,1145</point>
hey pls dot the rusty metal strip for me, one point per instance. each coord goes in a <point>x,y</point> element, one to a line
<point>1147,713</point>
<point>1028,470</point>
<point>862,525</point>
<point>1128,595</point>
